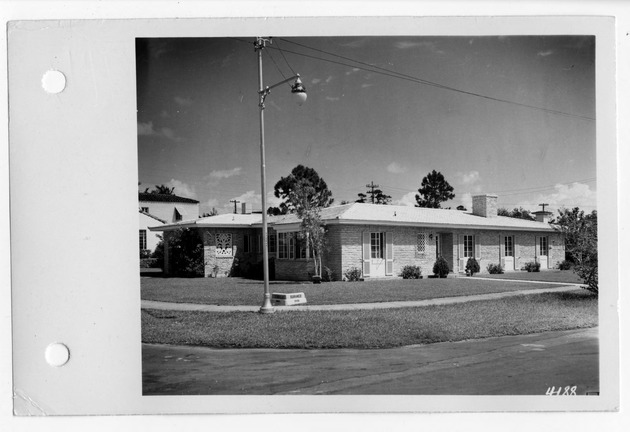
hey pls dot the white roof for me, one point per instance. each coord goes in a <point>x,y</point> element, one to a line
<point>376,214</point>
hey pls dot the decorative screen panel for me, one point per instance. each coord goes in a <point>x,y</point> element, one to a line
<point>224,244</point>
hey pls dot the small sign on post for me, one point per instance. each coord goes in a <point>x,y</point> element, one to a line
<point>281,299</point>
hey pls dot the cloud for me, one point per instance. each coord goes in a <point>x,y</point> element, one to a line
<point>329,79</point>
<point>353,70</point>
<point>223,174</point>
<point>212,202</point>
<point>408,199</point>
<point>182,189</point>
<point>544,53</point>
<point>146,128</point>
<point>466,200</point>
<point>431,46</point>
<point>396,168</point>
<point>565,195</point>
<point>468,178</point>
<point>249,197</point>
<point>330,98</point>
<point>366,85</point>
<point>315,81</point>
<point>355,44</point>
<point>181,101</point>
<point>471,180</point>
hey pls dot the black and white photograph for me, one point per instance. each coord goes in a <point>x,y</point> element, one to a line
<point>426,222</point>
<point>284,220</point>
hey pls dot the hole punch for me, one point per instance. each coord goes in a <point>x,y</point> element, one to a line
<point>57,354</point>
<point>54,82</point>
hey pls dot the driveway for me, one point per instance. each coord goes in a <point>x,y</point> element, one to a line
<point>509,365</point>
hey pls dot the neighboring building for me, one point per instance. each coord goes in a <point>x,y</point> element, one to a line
<point>169,208</point>
<point>148,240</point>
<point>380,240</point>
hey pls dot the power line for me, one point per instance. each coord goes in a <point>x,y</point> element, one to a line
<point>394,74</point>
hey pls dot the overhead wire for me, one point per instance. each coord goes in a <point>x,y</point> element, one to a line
<point>399,75</point>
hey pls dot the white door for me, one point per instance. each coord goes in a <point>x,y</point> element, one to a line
<point>542,248</point>
<point>377,255</point>
<point>507,253</point>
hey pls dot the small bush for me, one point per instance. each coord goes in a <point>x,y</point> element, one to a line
<point>564,265</point>
<point>472,266</point>
<point>495,269</point>
<point>353,274</point>
<point>440,268</point>
<point>411,272</point>
<point>327,274</point>
<point>532,266</point>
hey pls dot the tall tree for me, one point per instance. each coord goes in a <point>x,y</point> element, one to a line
<point>306,176</point>
<point>434,190</point>
<point>305,199</point>
<point>580,241</point>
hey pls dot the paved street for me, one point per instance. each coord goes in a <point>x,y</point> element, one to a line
<point>509,365</point>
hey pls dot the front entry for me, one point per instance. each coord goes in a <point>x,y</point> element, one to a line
<point>507,253</point>
<point>542,247</point>
<point>377,254</point>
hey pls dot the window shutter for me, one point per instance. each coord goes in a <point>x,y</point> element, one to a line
<point>366,254</point>
<point>477,248</point>
<point>389,254</point>
<point>460,241</point>
<point>501,246</point>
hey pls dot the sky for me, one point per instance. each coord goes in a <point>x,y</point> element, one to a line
<point>509,115</point>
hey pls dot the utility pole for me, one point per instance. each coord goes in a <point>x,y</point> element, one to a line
<point>372,186</point>
<point>543,206</point>
<point>235,202</point>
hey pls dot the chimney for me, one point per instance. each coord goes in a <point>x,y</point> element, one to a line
<point>543,216</point>
<point>246,208</point>
<point>485,205</point>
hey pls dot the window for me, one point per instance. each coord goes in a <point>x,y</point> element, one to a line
<point>271,243</point>
<point>376,245</point>
<point>509,246</point>
<point>469,246</point>
<point>145,209</point>
<point>421,243</point>
<point>143,239</point>
<point>286,245</point>
<point>178,216</point>
<point>223,243</point>
<point>543,246</point>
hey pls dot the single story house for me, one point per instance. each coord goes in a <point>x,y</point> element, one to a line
<point>380,240</point>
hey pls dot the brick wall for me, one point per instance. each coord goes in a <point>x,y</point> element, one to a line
<point>296,269</point>
<point>226,264</point>
<point>405,253</point>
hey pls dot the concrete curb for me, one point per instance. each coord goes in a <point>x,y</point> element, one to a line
<point>150,304</point>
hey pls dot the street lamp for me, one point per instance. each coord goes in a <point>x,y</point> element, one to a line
<point>299,92</point>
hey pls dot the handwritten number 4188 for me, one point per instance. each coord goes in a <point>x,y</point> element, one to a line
<point>566,391</point>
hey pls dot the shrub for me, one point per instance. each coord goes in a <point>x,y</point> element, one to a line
<point>564,265</point>
<point>440,268</point>
<point>145,253</point>
<point>353,274</point>
<point>327,275</point>
<point>411,272</point>
<point>472,266</point>
<point>495,269</point>
<point>532,266</point>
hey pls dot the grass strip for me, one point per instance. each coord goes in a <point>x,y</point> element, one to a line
<point>237,291</point>
<point>384,328</point>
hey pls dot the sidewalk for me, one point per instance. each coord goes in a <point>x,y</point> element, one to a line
<point>150,304</point>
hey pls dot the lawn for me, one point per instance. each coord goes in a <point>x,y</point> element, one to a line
<point>567,276</point>
<point>238,291</point>
<point>374,328</point>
